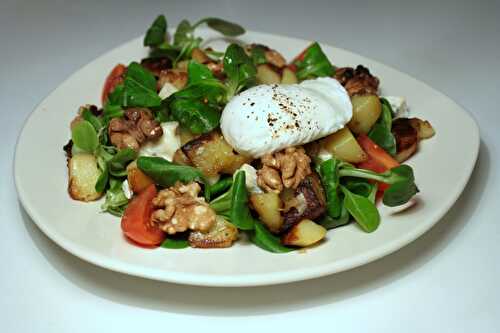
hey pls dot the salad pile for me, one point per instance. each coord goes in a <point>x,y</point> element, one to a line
<point>177,175</point>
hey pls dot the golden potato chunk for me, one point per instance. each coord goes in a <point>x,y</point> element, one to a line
<point>83,175</point>
<point>365,111</point>
<point>343,145</point>
<point>267,75</point>
<point>137,180</point>
<point>268,206</point>
<point>288,76</point>
<point>304,233</point>
<point>213,155</point>
<point>222,234</point>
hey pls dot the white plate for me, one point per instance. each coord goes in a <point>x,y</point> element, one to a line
<point>442,168</point>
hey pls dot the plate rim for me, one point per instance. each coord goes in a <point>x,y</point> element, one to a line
<point>247,280</point>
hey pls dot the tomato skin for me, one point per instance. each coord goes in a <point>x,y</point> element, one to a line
<point>136,219</point>
<point>302,54</point>
<point>378,159</point>
<point>114,78</point>
<point>372,165</point>
<point>376,153</point>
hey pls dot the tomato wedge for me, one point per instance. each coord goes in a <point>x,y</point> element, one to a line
<point>115,77</point>
<point>378,159</point>
<point>136,219</point>
<point>300,57</point>
<point>376,153</point>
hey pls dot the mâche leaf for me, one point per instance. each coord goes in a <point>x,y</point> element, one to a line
<point>240,213</point>
<point>224,27</point>
<point>140,87</point>
<point>239,69</point>
<point>156,33</point>
<point>264,239</point>
<point>362,209</point>
<point>381,132</point>
<point>84,136</point>
<point>314,64</point>
<point>165,173</point>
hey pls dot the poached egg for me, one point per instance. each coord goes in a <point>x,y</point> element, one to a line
<point>268,118</point>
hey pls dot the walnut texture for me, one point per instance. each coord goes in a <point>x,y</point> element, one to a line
<point>357,81</point>
<point>136,127</point>
<point>179,208</point>
<point>283,169</point>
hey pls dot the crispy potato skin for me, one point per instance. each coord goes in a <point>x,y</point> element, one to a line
<point>213,155</point>
<point>268,206</point>
<point>83,174</point>
<point>304,233</point>
<point>221,235</point>
<point>267,75</point>
<point>137,180</point>
<point>406,138</point>
<point>315,199</point>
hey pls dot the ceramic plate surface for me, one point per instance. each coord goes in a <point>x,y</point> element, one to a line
<point>80,228</point>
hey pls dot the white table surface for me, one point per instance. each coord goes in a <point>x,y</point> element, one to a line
<point>445,281</point>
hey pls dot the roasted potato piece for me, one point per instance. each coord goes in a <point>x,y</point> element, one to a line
<point>268,206</point>
<point>222,234</point>
<point>181,158</point>
<point>213,155</point>
<point>186,135</point>
<point>344,146</point>
<point>304,233</point>
<point>199,56</point>
<point>83,175</point>
<point>406,139</point>
<point>288,76</point>
<point>137,180</point>
<point>423,127</point>
<point>365,111</point>
<point>311,194</point>
<point>267,75</point>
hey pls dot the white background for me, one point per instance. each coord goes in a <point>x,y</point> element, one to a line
<point>446,281</point>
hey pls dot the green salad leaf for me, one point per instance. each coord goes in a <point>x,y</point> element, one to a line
<point>84,136</point>
<point>166,173</point>
<point>197,116</point>
<point>329,173</point>
<point>330,222</point>
<point>198,73</point>
<point>381,132</point>
<point>239,68</point>
<point>258,54</point>
<point>240,213</point>
<point>362,209</point>
<point>175,243</point>
<point>264,239</point>
<point>157,32</point>
<point>140,87</point>
<point>224,27</point>
<point>314,64</point>
<point>115,200</point>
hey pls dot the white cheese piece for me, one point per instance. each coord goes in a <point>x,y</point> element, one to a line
<point>398,105</point>
<point>324,155</point>
<point>268,118</point>
<point>166,145</point>
<point>250,178</point>
<point>126,189</point>
<point>167,90</point>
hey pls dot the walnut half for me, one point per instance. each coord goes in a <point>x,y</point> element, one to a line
<point>179,208</point>
<point>357,81</point>
<point>137,126</point>
<point>284,169</point>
